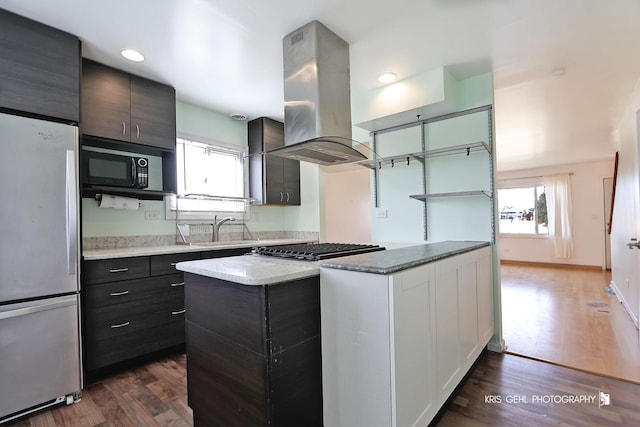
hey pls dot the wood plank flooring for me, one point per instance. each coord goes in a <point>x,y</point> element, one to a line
<point>565,316</point>
<point>151,395</point>
<point>155,395</point>
<point>528,393</point>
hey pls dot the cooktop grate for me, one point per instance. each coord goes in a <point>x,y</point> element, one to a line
<point>316,251</point>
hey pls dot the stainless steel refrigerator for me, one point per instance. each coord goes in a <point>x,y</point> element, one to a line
<point>40,355</point>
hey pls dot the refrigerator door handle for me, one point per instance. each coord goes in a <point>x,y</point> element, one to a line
<point>35,308</point>
<point>72,213</point>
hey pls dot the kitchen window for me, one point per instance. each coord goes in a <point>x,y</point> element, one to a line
<point>523,210</point>
<point>211,180</point>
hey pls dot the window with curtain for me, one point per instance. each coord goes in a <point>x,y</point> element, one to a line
<point>523,210</point>
<point>214,176</point>
<point>560,214</point>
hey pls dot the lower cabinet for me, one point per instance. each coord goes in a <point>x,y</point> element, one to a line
<point>129,318</point>
<point>396,346</point>
<point>253,353</point>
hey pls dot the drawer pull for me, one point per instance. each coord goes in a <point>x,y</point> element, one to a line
<point>173,285</point>
<point>117,294</point>
<point>118,270</point>
<point>120,325</point>
<point>175,313</point>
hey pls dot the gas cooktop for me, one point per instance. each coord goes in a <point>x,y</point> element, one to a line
<point>316,251</point>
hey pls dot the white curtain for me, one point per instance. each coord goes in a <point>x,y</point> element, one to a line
<point>559,211</point>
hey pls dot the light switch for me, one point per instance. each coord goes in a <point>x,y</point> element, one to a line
<point>381,213</point>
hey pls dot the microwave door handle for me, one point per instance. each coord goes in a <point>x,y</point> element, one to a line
<point>134,172</point>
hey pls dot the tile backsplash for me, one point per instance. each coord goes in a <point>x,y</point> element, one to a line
<point>112,242</point>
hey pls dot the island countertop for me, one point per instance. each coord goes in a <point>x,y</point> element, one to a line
<point>264,270</point>
<point>251,269</point>
<point>394,260</point>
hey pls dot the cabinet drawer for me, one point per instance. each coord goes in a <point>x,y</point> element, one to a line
<point>138,290</point>
<point>133,343</point>
<point>111,270</point>
<point>112,321</point>
<point>166,264</point>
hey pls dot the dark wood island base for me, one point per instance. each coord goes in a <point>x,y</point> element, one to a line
<point>253,352</point>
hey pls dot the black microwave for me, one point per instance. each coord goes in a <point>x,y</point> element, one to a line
<point>114,170</point>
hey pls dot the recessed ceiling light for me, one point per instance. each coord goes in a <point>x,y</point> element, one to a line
<point>386,77</point>
<point>132,55</point>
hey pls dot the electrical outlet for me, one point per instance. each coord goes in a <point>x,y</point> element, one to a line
<point>381,213</point>
<point>151,214</point>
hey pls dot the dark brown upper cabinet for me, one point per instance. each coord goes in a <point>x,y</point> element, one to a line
<point>120,106</point>
<point>273,180</point>
<point>39,69</point>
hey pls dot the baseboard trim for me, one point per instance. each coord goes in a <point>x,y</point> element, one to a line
<point>626,306</point>
<point>550,264</point>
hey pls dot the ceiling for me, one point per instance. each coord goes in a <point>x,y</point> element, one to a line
<point>227,56</point>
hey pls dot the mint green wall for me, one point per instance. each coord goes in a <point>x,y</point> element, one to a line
<point>466,218</point>
<point>196,121</point>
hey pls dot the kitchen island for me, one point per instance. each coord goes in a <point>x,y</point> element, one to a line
<point>254,344</point>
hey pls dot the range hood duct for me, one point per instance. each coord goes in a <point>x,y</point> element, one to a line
<point>317,107</point>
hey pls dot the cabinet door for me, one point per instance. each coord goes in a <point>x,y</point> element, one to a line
<point>39,68</point>
<point>468,307</point>
<point>447,325</point>
<point>291,179</point>
<point>274,180</point>
<point>153,113</point>
<point>105,101</point>
<point>485,295</point>
<point>413,324</point>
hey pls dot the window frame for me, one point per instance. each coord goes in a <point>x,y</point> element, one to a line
<point>523,185</point>
<point>242,152</point>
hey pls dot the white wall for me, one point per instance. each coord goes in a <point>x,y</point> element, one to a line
<point>588,216</point>
<point>624,262</point>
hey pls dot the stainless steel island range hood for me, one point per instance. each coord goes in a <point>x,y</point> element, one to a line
<point>317,107</point>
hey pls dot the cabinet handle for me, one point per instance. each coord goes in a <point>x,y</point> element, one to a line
<point>175,313</point>
<point>124,129</point>
<point>287,196</point>
<point>118,270</point>
<point>174,285</point>
<point>137,131</point>
<point>117,294</point>
<point>121,325</point>
<point>281,196</point>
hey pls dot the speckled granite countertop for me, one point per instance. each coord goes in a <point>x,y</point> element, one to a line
<point>261,270</point>
<point>394,260</point>
<point>96,254</point>
<point>251,269</point>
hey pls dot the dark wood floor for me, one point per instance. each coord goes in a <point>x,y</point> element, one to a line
<point>150,395</point>
<point>155,395</point>
<point>526,392</point>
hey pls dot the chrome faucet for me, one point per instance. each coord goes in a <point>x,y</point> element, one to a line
<point>216,227</point>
